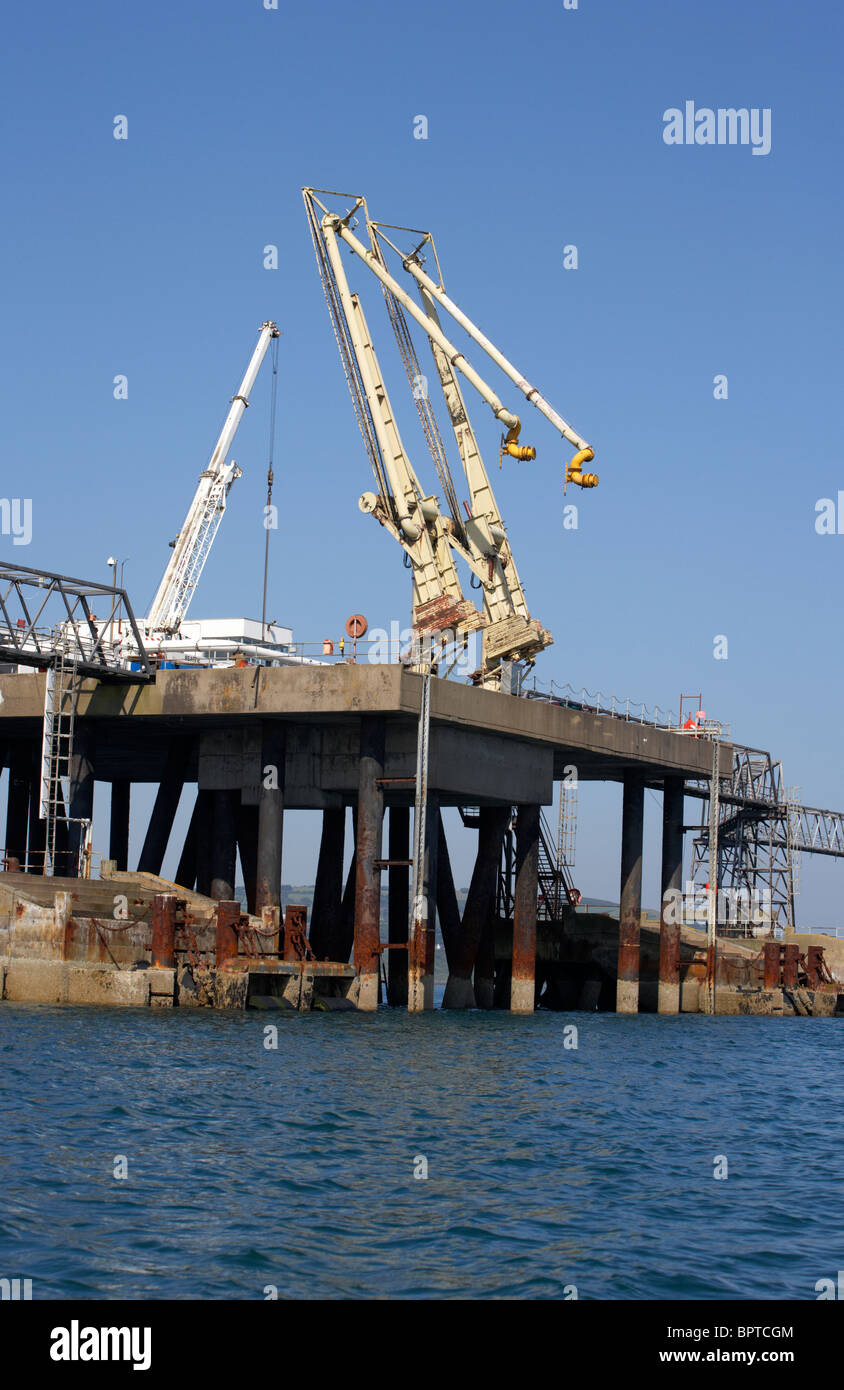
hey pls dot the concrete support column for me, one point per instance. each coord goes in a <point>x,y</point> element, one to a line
<point>224,845</point>
<point>522,987</point>
<point>37,844</point>
<point>228,917</point>
<point>399,906</point>
<point>165,807</point>
<point>118,838</point>
<point>668,998</point>
<point>630,896</point>
<point>164,931</point>
<point>17,809</point>
<point>204,813</point>
<point>325,933</point>
<point>270,816</point>
<point>81,797</point>
<point>478,918</point>
<point>367,878</point>
<point>448,911</point>
<point>246,825</point>
<point>347,907</point>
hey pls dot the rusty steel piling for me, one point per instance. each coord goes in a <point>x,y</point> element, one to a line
<point>228,920</point>
<point>163,943</point>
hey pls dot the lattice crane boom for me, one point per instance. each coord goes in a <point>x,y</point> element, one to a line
<point>193,543</point>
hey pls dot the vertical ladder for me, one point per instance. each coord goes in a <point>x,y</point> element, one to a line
<point>567,825</point>
<point>61,696</point>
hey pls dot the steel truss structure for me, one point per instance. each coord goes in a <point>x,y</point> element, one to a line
<point>762,831</point>
<point>46,617</point>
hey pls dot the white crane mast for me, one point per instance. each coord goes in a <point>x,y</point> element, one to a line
<point>205,513</point>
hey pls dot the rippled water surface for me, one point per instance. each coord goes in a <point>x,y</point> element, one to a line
<point>547,1166</point>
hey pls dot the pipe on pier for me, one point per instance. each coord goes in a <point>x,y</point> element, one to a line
<point>630,897</point>
<point>668,996</point>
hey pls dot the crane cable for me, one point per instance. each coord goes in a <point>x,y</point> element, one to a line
<point>407,349</point>
<point>268,512</point>
<point>349,361</point>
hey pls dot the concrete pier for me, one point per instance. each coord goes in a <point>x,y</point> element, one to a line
<point>630,897</point>
<point>259,743</point>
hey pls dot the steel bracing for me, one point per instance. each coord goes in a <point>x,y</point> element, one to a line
<point>46,617</point>
<point>762,830</point>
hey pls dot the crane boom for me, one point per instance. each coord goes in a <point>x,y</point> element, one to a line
<point>480,539</point>
<point>194,541</point>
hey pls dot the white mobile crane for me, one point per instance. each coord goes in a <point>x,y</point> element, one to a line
<point>168,635</point>
<point>193,543</point>
<point>430,539</point>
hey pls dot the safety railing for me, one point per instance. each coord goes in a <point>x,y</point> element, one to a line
<point>617,707</point>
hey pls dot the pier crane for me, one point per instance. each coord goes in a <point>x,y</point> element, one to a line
<point>430,539</point>
<point>193,543</point>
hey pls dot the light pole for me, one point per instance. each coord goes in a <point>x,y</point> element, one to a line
<point>112,563</point>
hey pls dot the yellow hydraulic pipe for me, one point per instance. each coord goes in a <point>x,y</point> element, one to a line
<point>511,445</point>
<point>574,471</point>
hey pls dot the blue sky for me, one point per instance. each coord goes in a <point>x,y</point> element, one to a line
<point>145,257</point>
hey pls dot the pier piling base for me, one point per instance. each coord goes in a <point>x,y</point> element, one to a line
<point>630,897</point>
